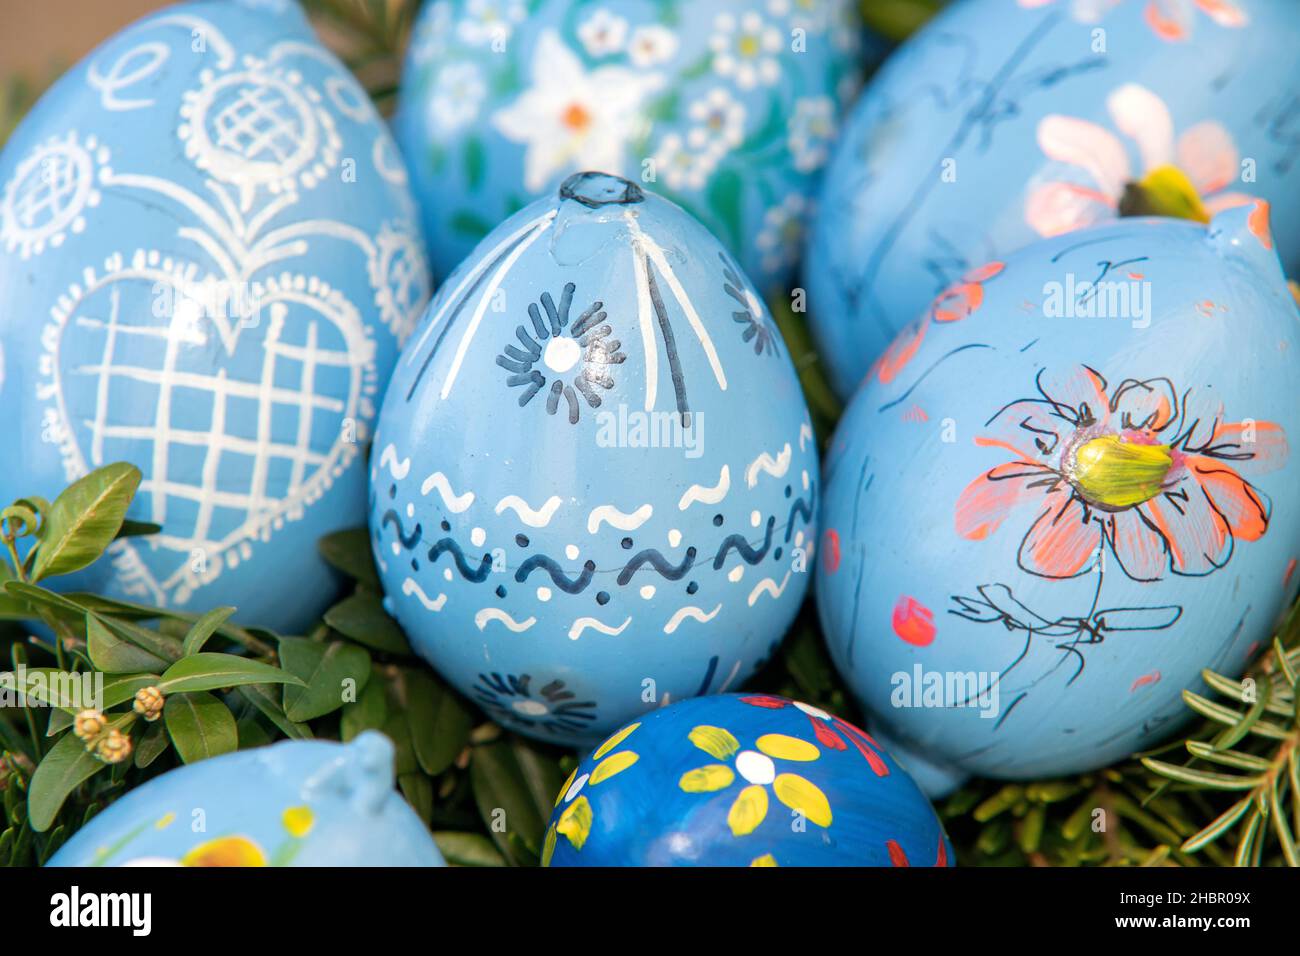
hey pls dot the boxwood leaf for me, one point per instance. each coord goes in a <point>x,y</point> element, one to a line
<point>362,618</point>
<point>67,766</point>
<point>209,671</point>
<point>84,519</point>
<point>349,552</point>
<point>322,669</point>
<point>200,726</point>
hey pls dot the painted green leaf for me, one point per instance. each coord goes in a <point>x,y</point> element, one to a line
<point>200,726</point>
<point>208,671</point>
<point>84,519</point>
<point>475,162</point>
<point>323,670</point>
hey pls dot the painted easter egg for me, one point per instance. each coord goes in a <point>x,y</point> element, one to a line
<point>208,258</point>
<point>1005,121</point>
<point>728,108</point>
<point>594,481</point>
<point>294,803</point>
<point>742,780</point>
<point>1064,492</point>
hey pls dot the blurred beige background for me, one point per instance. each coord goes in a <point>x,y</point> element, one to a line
<point>38,38</point>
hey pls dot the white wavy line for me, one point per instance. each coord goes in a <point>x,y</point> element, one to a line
<point>692,612</point>
<point>619,519</point>
<point>496,614</point>
<point>705,494</point>
<point>805,433</point>
<point>534,519</point>
<point>489,292</point>
<point>470,278</point>
<point>398,468</point>
<point>776,467</point>
<point>582,623</point>
<point>409,587</point>
<point>455,503</point>
<point>770,586</point>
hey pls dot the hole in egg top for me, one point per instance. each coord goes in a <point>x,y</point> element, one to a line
<point>594,482</point>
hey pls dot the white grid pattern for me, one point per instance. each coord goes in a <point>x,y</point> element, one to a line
<point>255,500</point>
<point>252,126</point>
<point>47,190</point>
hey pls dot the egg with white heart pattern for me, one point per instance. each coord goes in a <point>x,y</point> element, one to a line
<point>1064,492</point>
<point>742,780</point>
<point>209,256</point>
<point>727,108</point>
<point>594,481</point>
<point>1004,121</point>
<point>294,803</point>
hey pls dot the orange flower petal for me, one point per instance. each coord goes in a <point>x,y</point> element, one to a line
<point>1061,542</point>
<point>1235,499</point>
<point>985,503</point>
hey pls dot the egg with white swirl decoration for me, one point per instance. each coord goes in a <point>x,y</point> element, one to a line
<point>1063,493</point>
<point>594,481</point>
<point>727,108</point>
<point>1001,122</point>
<point>294,803</point>
<point>209,256</point>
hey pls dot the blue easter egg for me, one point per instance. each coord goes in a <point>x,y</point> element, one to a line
<point>733,780</point>
<point>1005,121</point>
<point>294,803</point>
<point>1064,492</point>
<point>594,480</point>
<point>727,108</point>
<point>208,257</point>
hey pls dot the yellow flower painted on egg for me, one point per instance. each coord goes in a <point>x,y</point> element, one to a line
<point>757,768</point>
<point>225,851</point>
<point>575,822</point>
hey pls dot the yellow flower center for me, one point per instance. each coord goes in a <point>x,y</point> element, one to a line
<point>1165,191</point>
<point>749,45</point>
<point>1114,473</point>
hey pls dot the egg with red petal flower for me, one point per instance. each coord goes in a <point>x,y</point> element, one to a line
<point>1064,491</point>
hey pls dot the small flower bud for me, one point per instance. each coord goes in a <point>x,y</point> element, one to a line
<point>89,724</point>
<point>148,703</point>
<point>113,747</point>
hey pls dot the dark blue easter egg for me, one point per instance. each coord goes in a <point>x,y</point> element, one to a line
<point>742,780</point>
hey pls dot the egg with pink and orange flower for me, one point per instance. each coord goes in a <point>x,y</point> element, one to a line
<point>1005,121</point>
<point>1064,491</point>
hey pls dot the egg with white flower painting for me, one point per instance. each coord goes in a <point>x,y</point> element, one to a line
<point>728,108</point>
<point>594,481</point>
<point>1004,121</point>
<point>209,257</point>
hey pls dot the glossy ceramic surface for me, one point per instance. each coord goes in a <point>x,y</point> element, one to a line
<point>742,780</point>
<point>1066,491</point>
<point>295,803</point>
<point>728,108</point>
<point>208,257</point>
<point>594,482</point>
<point>1004,121</point>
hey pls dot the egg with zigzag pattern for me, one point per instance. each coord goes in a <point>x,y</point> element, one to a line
<point>594,481</point>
